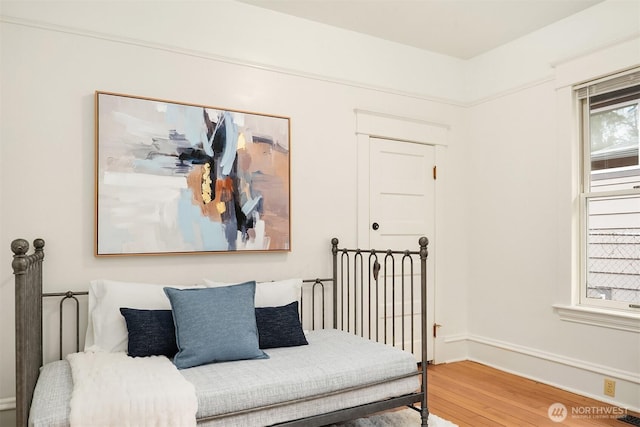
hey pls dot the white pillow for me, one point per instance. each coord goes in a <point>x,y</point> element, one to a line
<point>106,327</point>
<point>270,294</point>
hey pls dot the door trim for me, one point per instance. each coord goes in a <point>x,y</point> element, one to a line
<point>380,125</point>
<point>408,129</point>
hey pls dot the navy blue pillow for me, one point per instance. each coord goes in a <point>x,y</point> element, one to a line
<point>151,332</point>
<point>280,326</point>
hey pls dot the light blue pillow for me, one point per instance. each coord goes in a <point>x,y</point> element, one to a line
<point>215,324</point>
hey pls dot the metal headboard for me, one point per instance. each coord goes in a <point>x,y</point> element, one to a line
<point>312,288</point>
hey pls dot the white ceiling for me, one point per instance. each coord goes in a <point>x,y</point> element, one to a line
<point>458,28</point>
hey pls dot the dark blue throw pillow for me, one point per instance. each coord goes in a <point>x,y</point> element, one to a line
<point>280,326</point>
<point>151,332</point>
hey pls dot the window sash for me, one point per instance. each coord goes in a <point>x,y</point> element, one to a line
<point>587,267</point>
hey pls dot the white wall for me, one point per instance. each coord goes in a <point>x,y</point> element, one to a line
<point>531,59</point>
<point>507,217</point>
<point>56,54</point>
<point>523,232</point>
<point>234,32</point>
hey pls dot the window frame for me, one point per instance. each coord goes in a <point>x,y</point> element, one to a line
<point>586,194</point>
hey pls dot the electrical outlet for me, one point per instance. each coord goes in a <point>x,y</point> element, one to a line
<point>609,387</point>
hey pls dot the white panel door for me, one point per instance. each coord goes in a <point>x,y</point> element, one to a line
<point>401,210</point>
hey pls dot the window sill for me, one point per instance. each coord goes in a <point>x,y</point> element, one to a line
<point>599,317</point>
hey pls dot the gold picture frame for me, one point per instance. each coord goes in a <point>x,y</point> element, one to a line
<point>178,178</point>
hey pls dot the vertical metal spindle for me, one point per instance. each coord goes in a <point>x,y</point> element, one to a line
<point>301,308</point>
<point>402,284</point>
<point>384,300</point>
<point>357,257</point>
<point>409,259</point>
<point>313,302</point>
<point>334,255</point>
<point>390,256</point>
<point>423,241</point>
<point>374,257</point>
<point>346,289</point>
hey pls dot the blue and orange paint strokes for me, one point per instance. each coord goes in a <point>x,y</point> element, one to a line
<point>177,178</point>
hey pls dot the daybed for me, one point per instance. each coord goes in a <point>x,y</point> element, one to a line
<point>358,367</point>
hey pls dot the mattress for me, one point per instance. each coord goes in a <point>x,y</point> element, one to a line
<point>334,361</point>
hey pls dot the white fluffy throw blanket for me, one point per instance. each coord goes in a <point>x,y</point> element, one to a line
<point>112,389</point>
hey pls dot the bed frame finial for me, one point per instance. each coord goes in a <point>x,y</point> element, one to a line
<point>38,244</point>
<point>19,246</point>
<point>423,242</point>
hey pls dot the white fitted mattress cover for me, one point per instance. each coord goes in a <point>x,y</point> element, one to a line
<point>332,362</point>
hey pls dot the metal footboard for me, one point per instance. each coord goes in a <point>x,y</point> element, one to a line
<point>375,295</point>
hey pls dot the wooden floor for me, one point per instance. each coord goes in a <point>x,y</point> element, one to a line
<point>471,394</point>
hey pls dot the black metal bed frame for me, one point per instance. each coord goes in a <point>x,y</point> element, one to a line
<point>356,300</point>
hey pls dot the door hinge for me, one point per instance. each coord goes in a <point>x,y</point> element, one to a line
<point>435,329</point>
<point>435,172</point>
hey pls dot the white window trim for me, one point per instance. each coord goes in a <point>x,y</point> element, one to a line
<point>586,67</point>
<point>625,321</point>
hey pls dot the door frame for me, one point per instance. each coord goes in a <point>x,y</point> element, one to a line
<point>371,124</point>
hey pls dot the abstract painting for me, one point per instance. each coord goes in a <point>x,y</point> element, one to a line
<point>177,178</point>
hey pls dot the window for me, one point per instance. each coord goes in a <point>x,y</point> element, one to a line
<point>610,192</point>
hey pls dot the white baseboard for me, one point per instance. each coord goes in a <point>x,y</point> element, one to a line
<point>573,375</point>
<point>633,377</point>
<point>7,403</point>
